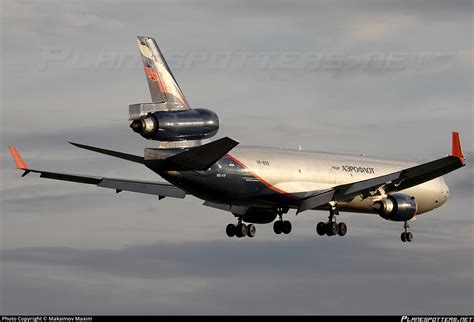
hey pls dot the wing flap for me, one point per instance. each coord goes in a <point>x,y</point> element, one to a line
<point>349,190</point>
<point>316,201</point>
<point>68,177</point>
<point>152,188</point>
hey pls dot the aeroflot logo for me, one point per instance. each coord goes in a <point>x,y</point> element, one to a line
<point>353,169</point>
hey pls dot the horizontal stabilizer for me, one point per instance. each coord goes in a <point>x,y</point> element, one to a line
<point>201,158</point>
<point>116,154</point>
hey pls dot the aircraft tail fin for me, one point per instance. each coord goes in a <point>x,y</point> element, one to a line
<point>161,82</point>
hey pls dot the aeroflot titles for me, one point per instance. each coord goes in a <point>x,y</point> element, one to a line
<point>351,168</point>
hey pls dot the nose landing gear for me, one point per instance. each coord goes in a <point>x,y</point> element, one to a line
<point>406,236</point>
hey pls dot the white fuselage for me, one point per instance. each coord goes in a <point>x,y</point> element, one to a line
<point>293,171</point>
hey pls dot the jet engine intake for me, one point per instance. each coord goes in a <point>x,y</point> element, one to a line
<point>194,124</point>
<point>396,207</point>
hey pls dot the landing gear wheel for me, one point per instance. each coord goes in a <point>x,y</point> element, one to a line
<point>331,228</point>
<point>342,229</point>
<point>251,230</point>
<point>321,228</point>
<point>230,230</point>
<point>285,227</point>
<point>277,227</point>
<point>406,236</point>
<point>403,237</point>
<point>241,230</point>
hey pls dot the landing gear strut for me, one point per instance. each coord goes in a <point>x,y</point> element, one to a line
<point>241,230</point>
<point>282,226</point>
<point>406,236</point>
<point>331,228</point>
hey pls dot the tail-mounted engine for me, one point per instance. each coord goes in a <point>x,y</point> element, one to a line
<point>169,117</point>
<point>396,207</point>
<point>181,125</point>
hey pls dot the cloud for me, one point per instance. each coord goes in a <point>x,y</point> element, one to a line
<point>384,78</point>
<point>30,19</point>
<point>380,29</point>
<point>175,275</point>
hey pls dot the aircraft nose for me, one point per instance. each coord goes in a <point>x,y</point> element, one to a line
<point>444,191</point>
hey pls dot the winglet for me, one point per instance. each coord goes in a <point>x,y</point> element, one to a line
<point>456,149</point>
<point>20,164</point>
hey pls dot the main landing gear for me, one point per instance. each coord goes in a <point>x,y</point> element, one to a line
<point>281,226</point>
<point>406,236</point>
<point>331,228</point>
<point>241,230</point>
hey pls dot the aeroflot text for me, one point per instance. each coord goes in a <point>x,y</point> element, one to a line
<point>351,168</point>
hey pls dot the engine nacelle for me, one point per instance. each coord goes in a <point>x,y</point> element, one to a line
<point>194,124</point>
<point>259,215</point>
<point>396,207</point>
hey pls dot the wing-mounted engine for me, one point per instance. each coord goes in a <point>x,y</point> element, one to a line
<point>396,207</point>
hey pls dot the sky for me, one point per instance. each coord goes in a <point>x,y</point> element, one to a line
<point>383,78</point>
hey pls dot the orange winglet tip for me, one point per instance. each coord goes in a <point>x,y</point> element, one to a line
<point>457,150</point>
<point>20,164</point>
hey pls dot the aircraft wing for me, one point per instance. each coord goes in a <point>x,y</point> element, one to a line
<point>392,182</point>
<point>149,187</point>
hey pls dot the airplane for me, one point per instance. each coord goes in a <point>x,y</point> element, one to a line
<point>259,185</point>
